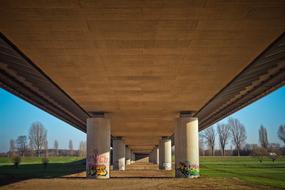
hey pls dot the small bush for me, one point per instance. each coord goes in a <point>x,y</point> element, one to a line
<point>16,160</point>
<point>273,156</point>
<point>45,161</point>
<point>259,153</point>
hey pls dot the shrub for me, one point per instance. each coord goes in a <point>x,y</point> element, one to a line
<point>16,160</point>
<point>273,156</point>
<point>259,153</point>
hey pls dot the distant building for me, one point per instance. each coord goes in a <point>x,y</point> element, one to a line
<point>51,152</point>
<point>274,145</point>
<point>249,147</point>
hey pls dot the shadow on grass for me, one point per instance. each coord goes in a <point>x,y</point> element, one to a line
<point>10,174</point>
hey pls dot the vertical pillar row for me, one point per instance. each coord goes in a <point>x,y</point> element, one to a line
<point>165,153</point>
<point>119,154</point>
<point>133,157</point>
<point>187,147</point>
<point>132,161</point>
<point>98,147</point>
<point>128,155</point>
<point>156,155</point>
<point>151,157</point>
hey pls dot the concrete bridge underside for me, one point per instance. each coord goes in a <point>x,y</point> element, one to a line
<point>141,63</point>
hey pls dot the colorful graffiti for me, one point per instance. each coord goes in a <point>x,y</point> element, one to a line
<point>97,164</point>
<point>91,171</point>
<point>166,165</point>
<point>103,159</point>
<point>101,170</point>
<point>188,170</point>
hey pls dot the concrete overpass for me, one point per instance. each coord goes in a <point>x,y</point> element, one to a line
<point>139,71</point>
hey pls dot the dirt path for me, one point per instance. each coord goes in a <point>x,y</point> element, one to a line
<point>130,184</point>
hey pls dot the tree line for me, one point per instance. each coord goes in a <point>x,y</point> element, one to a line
<point>234,131</point>
<point>36,143</point>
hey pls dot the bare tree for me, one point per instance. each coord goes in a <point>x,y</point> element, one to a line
<point>12,148</point>
<point>281,133</point>
<point>56,147</point>
<point>263,137</point>
<point>70,146</point>
<point>82,148</point>
<point>210,137</point>
<point>31,148</point>
<point>22,144</point>
<point>238,133</point>
<point>37,137</point>
<point>259,153</point>
<point>224,133</point>
<point>201,145</point>
<point>46,148</point>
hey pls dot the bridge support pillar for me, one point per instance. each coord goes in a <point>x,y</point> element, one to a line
<point>119,159</point>
<point>133,157</point>
<point>156,155</point>
<point>98,147</point>
<point>165,153</point>
<point>151,160</point>
<point>128,156</point>
<point>187,147</point>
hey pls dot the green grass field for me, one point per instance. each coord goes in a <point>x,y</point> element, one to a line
<point>38,160</point>
<point>247,169</point>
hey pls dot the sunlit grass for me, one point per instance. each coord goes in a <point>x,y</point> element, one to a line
<point>246,168</point>
<point>38,160</point>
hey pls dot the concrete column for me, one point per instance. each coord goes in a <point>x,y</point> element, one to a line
<point>150,157</point>
<point>128,156</point>
<point>98,147</point>
<point>118,154</point>
<point>187,147</point>
<point>156,155</point>
<point>133,157</point>
<point>132,161</point>
<point>165,153</point>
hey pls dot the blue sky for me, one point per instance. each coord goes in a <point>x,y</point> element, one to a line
<point>16,117</point>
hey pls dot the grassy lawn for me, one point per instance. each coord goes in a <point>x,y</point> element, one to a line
<point>245,168</point>
<point>38,160</point>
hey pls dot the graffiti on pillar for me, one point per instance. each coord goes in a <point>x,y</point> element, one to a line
<point>101,165</point>
<point>102,159</point>
<point>91,164</point>
<point>101,170</point>
<point>97,164</point>
<point>166,165</point>
<point>188,170</point>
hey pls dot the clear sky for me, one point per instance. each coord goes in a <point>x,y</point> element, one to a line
<point>16,117</point>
